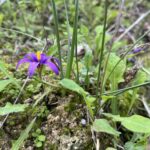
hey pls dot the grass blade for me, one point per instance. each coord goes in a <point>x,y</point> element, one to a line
<point>102,49</point>
<point>57,35</point>
<point>23,136</point>
<point>76,41</point>
<point>68,25</point>
<point>20,32</point>
<point>117,92</point>
<point>74,44</point>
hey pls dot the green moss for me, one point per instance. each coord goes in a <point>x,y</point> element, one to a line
<point>65,131</point>
<point>53,146</point>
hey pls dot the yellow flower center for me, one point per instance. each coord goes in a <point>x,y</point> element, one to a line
<point>38,55</point>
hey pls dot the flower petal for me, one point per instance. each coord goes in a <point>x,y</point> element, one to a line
<point>32,68</point>
<point>43,59</point>
<point>32,56</point>
<point>53,67</point>
<point>22,61</point>
<point>56,60</point>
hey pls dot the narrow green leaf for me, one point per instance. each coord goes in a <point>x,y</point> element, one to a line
<point>102,125</point>
<point>73,44</point>
<point>88,59</point>
<point>23,33</point>
<point>117,92</point>
<point>18,143</point>
<point>101,56</point>
<point>57,35</point>
<point>89,100</point>
<point>9,108</point>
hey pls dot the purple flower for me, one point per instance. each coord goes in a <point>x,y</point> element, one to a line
<point>137,50</point>
<point>132,60</point>
<point>38,60</point>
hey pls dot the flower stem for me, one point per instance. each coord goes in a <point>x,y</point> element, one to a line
<point>76,43</point>
<point>73,45</point>
<point>23,33</point>
<point>102,50</point>
<point>114,101</point>
<point>117,92</point>
<point>133,99</point>
<point>57,36</point>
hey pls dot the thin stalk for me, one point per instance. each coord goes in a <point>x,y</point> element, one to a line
<point>77,66</point>
<point>47,83</point>
<point>102,49</point>
<point>41,97</point>
<point>133,25</point>
<point>57,36</point>
<point>44,29</point>
<point>73,45</point>
<point>132,100</point>
<point>117,92</point>
<point>23,17</point>
<point>68,25</point>
<point>139,39</point>
<point>114,101</point>
<point>23,33</point>
<point>118,20</point>
<point>76,46</point>
<point>146,105</point>
<point>87,78</point>
<point>145,70</point>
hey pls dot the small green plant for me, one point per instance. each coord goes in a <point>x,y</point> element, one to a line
<point>39,138</point>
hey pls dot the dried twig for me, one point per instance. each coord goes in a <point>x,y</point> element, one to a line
<point>147,108</point>
<point>97,144</point>
<point>118,19</point>
<point>133,25</point>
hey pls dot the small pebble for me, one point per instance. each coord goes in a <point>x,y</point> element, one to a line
<point>83,122</point>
